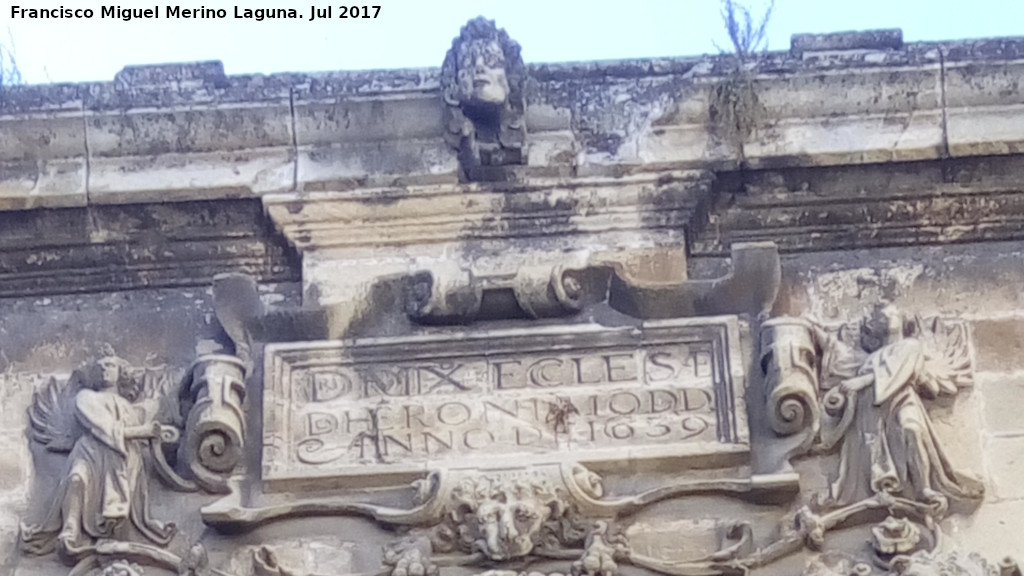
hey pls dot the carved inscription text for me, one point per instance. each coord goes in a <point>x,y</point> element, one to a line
<point>402,405</point>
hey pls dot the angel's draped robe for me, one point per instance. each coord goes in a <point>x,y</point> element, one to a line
<point>105,474</point>
<point>887,433</point>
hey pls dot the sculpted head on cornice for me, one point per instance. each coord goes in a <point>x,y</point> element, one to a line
<point>482,81</point>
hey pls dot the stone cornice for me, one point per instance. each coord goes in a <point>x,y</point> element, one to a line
<point>415,216</point>
<point>978,199</point>
<point>187,132</point>
<point>110,248</point>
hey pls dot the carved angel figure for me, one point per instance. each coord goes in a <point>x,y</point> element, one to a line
<point>103,490</point>
<point>874,403</point>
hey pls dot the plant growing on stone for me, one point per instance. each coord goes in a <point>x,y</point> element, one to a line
<point>747,34</point>
<point>10,74</point>
<point>735,105</point>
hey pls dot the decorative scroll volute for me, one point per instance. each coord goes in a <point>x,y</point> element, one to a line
<point>212,399</point>
<point>788,359</point>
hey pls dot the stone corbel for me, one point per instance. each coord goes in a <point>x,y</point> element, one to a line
<point>237,304</point>
<point>751,287</point>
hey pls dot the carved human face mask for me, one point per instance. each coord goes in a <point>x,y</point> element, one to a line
<point>481,73</point>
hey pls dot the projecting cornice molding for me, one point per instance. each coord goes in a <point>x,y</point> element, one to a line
<point>430,215</point>
<point>188,131</point>
<point>111,248</point>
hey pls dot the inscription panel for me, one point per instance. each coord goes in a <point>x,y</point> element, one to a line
<point>666,389</point>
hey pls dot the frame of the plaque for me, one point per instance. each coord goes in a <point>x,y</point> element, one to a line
<point>666,391</point>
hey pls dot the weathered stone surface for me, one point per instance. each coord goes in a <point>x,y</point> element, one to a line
<point>660,391</point>
<point>1005,463</point>
<point>983,110</point>
<point>154,137</point>
<point>43,149</point>
<point>132,246</point>
<point>891,39</point>
<point>851,207</point>
<point>1002,392</point>
<point>455,329</point>
<point>841,99</point>
<point>998,342</point>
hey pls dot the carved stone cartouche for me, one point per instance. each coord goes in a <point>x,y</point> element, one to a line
<point>482,81</point>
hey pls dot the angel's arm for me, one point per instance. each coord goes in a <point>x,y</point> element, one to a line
<point>839,361</point>
<point>144,431</point>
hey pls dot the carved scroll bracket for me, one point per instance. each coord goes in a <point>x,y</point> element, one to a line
<point>211,401</point>
<point>788,359</point>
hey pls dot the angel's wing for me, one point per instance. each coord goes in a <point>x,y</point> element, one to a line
<point>947,353</point>
<point>52,413</point>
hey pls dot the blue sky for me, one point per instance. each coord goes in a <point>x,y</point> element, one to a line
<point>416,33</point>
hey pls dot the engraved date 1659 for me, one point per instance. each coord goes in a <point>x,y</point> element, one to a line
<point>344,12</point>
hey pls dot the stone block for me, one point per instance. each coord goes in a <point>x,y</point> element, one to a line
<point>884,39</point>
<point>1005,464</point>
<point>196,142</point>
<point>1003,395</point>
<point>984,108</point>
<point>985,131</point>
<point>15,466</point>
<point>861,90</point>
<point>363,119</point>
<point>897,137</point>
<point>42,149</point>
<point>56,183</point>
<point>994,530</point>
<point>958,425</point>
<point>351,139</point>
<point>867,115</point>
<point>682,133</point>
<point>183,177</point>
<point>380,163</point>
<point>998,344</point>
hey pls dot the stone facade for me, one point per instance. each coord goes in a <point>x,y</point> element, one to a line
<point>681,316</point>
